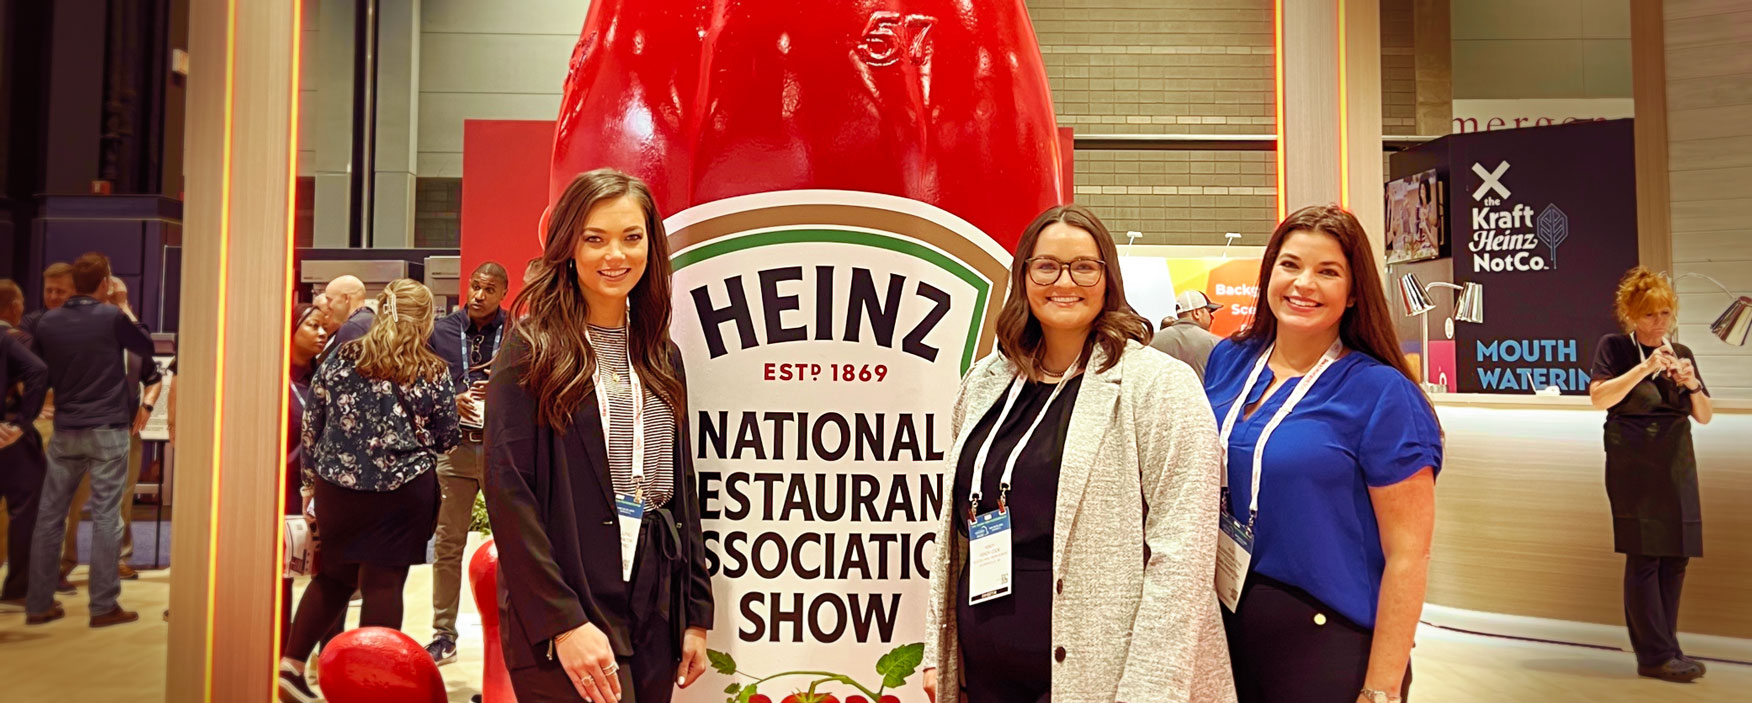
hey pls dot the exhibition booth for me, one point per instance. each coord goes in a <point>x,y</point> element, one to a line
<point>843,193</point>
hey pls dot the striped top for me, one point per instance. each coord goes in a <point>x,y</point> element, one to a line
<point>610,345</point>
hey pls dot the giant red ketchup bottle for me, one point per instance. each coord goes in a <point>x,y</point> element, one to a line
<point>843,181</point>
<point>940,101</point>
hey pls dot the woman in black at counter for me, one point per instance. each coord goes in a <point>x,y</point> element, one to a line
<point>1651,391</point>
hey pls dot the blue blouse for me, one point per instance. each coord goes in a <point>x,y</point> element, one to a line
<point>1363,425</point>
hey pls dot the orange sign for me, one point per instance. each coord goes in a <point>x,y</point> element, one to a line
<point>1231,283</point>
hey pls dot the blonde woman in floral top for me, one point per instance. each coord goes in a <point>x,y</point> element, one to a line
<point>381,410</point>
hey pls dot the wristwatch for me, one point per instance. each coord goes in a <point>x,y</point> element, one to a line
<point>1375,696</point>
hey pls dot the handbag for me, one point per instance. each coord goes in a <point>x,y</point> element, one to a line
<point>424,437</point>
<point>300,547</point>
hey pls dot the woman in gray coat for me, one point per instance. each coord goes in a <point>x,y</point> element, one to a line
<point>1077,555</point>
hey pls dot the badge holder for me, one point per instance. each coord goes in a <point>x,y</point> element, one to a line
<point>630,507</point>
<point>988,551</point>
<point>1234,559</point>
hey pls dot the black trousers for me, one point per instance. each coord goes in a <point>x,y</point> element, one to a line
<point>648,675</point>
<point>1651,606</point>
<point>1281,654</point>
<point>22,467</point>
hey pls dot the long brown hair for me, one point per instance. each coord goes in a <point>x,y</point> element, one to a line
<point>1019,333</point>
<point>1367,326</point>
<point>396,348</point>
<point>550,314</point>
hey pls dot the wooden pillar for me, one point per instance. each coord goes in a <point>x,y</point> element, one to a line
<point>1308,137</point>
<point>1359,126</point>
<point>1648,76</point>
<point>1329,79</point>
<point>234,335</point>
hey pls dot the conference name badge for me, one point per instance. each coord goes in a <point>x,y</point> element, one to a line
<point>1234,558</point>
<point>632,517</point>
<point>988,557</point>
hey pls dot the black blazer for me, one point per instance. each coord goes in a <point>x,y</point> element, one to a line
<point>19,366</point>
<point>550,498</point>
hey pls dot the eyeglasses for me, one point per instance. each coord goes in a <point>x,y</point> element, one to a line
<point>1085,272</point>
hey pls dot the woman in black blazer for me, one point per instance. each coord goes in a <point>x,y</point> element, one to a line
<point>603,585</point>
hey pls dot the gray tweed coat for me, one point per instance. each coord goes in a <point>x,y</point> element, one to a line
<point>1134,539</point>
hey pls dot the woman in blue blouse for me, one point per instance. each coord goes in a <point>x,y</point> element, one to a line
<point>381,410</point>
<point>1340,505</point>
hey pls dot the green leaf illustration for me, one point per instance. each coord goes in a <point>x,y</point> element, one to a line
<point>722,662</point>
<point>747,693</point>
<point>733,688</point>
<point>896,666</point>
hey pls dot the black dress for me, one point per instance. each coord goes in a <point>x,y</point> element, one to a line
<point>1006,644</point>
<point>1651,470</point>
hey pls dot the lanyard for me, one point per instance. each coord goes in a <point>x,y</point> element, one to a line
<point>1641,355</point>
<point>985,448</point>
<point>1307,383</point>
<point>638,390</point>
<point>468,362</point>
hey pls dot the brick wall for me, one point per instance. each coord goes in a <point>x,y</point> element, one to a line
<point>438,212</point>
<point>1180,197</point>
<point>1398,68</point>
<point>1166,67</point>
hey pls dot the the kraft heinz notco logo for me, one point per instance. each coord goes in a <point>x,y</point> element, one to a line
<point>1508,236</point>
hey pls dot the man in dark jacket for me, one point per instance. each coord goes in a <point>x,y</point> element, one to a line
<point>143,380</point>
<point>82,343</point>
<point>23,382</point>
<point>346,302</point>
<point>467,339</point>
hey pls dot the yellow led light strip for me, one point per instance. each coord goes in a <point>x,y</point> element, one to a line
<point>219,363</point>
<point>286,323</point>
<point>1277,58</point>
<point>1343,114</point>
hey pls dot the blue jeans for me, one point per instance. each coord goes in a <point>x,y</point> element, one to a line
<point>102,451</point>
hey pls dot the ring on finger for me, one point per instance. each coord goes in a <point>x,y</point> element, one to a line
<point>611,668</point>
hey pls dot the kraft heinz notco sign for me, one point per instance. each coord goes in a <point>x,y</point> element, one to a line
<point>1505,234</point>
<point>1545,219</point>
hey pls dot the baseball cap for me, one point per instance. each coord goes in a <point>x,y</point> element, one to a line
<point>1193,300</point>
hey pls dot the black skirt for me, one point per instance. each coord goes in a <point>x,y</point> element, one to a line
<point>387,528</point>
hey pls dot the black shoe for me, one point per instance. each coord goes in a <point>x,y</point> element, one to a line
<point>1675,670</point>
<point>293,689</point>
<point>66,587</point>
<point>442,649</point>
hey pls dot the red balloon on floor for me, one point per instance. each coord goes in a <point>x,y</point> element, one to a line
<point>379,665</point>
<point>483,575</point>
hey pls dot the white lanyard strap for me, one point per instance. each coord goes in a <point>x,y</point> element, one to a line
<point>1302,387</point>
<point>985,448</point>
<point>638,390</point>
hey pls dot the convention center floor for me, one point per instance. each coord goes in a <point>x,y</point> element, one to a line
<point>67,661</point>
